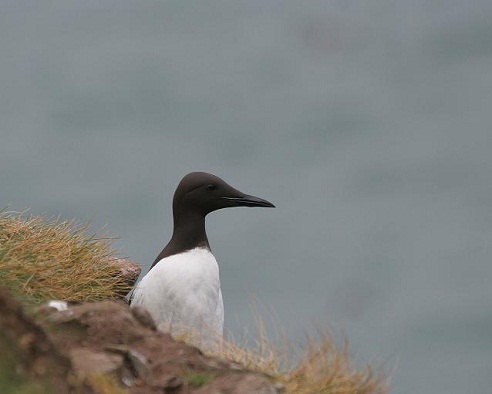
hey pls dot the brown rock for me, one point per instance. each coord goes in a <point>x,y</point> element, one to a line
<point>144,317</point>
<point>87,362</point>
<point>240,384</point>
<point>101,338</point>
<point>26,353</point>
<point>108,336</point>
<point>129,270</point>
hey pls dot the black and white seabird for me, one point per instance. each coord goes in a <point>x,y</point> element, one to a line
<point>182,289</point>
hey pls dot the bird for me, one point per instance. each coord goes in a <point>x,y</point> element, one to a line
<point>181,291</point>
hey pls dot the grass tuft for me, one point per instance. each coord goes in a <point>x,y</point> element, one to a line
<point>43,259</point>
<point>319,366</point>
<point>325,368</point>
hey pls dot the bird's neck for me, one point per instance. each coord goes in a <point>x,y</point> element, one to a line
<point>188,233</point>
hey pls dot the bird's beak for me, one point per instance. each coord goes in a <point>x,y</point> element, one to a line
<point>249,201</point>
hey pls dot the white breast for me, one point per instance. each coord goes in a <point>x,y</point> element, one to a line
<point>182,293</point>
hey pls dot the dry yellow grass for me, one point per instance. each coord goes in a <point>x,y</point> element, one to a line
<point>324,368</point>
<point>318,367</point>
<point>43,258</point>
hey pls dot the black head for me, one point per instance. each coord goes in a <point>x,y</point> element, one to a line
<point>203,193</point>
<point>198,194</point>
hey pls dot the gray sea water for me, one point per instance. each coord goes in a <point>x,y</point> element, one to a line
<point>368,124</point>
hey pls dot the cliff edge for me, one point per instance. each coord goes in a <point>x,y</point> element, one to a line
<point>106,347</point>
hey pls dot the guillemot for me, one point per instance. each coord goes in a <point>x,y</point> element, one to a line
<point>182,291</point>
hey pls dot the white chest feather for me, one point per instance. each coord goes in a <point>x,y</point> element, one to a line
<point>182,292</point>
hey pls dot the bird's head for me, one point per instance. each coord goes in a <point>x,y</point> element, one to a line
<point>203,193</point>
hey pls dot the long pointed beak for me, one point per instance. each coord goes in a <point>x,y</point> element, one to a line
<point>249,201</point>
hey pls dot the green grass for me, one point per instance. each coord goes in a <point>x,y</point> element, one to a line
<point>198,379</point>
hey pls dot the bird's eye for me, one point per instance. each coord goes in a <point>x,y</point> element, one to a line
<point>211,187</point>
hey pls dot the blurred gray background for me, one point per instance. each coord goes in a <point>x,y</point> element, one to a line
<point>368,124</point>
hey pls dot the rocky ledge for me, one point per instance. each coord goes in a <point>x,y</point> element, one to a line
<point>90,344</point>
